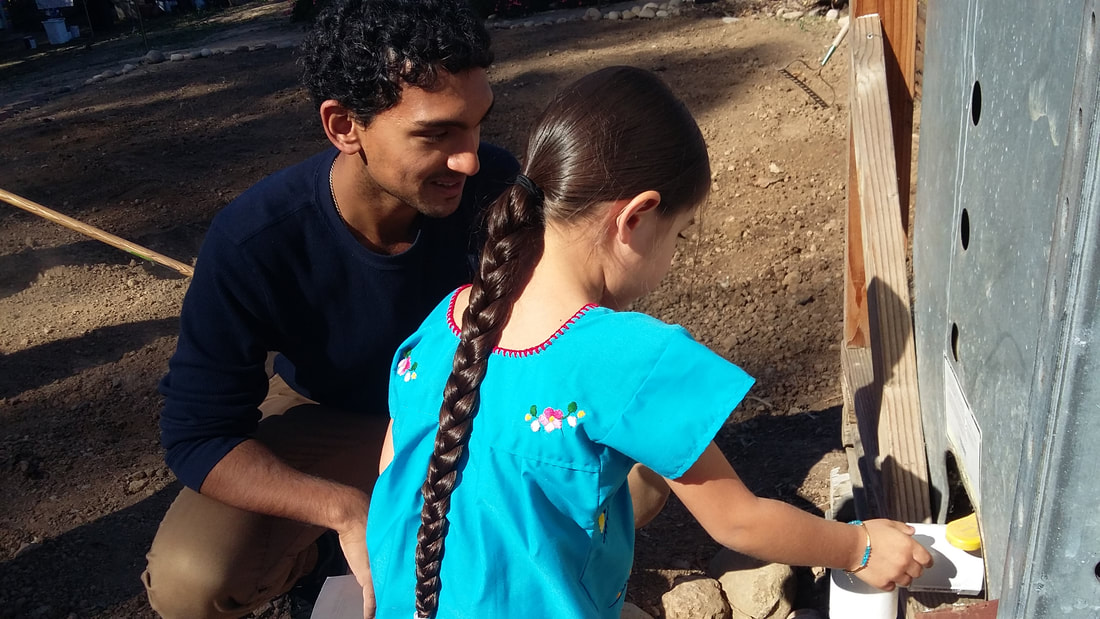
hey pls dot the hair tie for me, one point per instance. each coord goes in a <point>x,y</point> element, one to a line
<point>530,187</point>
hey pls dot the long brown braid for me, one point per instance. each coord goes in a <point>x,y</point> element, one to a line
<point>609,135</point>
<point>513,246</point>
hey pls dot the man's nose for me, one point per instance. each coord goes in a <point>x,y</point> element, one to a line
<point>465,160</point>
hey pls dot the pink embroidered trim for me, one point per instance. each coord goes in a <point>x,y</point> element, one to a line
<point>508,352</point>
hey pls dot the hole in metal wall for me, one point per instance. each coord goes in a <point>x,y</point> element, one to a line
<point>1096,570</point>
<point>964,229</point>
<point>976,103</point>
<point>955,341</point>
<point>1090,41</point>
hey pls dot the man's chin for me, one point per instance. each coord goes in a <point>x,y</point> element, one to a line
<point>437,208</point>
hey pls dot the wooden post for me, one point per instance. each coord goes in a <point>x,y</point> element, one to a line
<point>897,420</point>
<point>899,22</point>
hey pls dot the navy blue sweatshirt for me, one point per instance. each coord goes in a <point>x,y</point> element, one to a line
<point>279,271</point>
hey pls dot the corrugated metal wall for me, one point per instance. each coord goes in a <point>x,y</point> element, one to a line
<point>1007,225</point>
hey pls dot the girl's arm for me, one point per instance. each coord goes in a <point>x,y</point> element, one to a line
<point>386,456</point>
<point>777,532</point>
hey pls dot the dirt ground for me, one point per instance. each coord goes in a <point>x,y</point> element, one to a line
<point>86,331</point>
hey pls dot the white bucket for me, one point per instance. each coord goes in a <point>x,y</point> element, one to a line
<point>851,598</point>
<point>56,31</point>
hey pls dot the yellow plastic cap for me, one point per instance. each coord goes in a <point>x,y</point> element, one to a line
<point>963,533</point>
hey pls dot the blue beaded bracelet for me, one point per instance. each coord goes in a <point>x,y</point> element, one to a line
<point>867,552</point>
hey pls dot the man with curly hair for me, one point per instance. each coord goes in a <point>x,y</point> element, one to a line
<point>330,263</point>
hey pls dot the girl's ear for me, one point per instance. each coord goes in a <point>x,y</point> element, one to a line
<point>632,213</point>
<point>340,126</point>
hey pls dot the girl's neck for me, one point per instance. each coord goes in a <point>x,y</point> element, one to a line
<point>565,279</point>
<point>562,283</point>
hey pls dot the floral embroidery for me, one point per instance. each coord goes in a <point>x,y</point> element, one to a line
<point>406,366</point>
<point>551,418</point>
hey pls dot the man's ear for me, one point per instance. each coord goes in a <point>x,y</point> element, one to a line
<point>340,126</point>
<point>631,215</point>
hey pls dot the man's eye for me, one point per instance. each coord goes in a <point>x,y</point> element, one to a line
<point>433,137</point>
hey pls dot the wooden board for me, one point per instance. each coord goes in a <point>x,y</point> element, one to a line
<point>896,423</point>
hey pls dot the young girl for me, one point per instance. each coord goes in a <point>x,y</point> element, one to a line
<point>550,393</point>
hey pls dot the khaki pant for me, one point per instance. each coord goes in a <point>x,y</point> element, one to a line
<point>212,560</point>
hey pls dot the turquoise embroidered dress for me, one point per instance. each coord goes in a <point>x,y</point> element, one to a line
<point>541,523</point>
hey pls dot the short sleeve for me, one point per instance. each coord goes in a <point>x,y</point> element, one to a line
<point>679,407</point>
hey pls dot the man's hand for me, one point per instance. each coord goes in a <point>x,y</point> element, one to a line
<point>250,477</point>
<point>353,541</point>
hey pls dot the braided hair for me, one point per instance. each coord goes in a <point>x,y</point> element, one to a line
<point>610,135</point>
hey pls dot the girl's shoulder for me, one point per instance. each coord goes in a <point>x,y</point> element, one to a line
<point>632,331</point>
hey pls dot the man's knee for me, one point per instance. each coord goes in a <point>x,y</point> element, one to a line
<point>181,584</point>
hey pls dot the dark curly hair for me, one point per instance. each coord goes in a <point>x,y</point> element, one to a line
<point>360,52</point>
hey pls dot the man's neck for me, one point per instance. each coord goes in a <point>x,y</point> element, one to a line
<point>379,221</point>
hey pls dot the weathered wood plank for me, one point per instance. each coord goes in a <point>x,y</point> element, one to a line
<point>897,424</point>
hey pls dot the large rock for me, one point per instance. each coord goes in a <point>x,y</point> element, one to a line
<point>154,56</point>
<point>592,14</point>
<point>754,589</point>
<point>695,597</point>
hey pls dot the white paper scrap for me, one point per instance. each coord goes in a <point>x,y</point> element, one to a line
<point>955,569</point>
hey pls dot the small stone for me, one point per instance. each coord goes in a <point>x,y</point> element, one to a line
<point>592,14</point>
<point>636,9</point>
<point>628,15</point>
<point>613,15</point>
<point>136,485</point>
<point>177,57</point>
<point>528,24</point>
<point>241,48</point>
<point>194,55</point>
<point>792,278</point>
<point>154,56</point>
<point>126,68</point>
<point>561,20</point>
<point>754,589</point>
<point>648,13</point>
<point>774,169</point>
<point>661,14</point>
<point>675,4</point>
<point>651,5</point>
<point>832,15</point>
<point>729,20</point>
<point>206,52</point>
<point>793,15</point>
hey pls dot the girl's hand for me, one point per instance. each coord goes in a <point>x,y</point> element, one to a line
<point>896,558</point>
